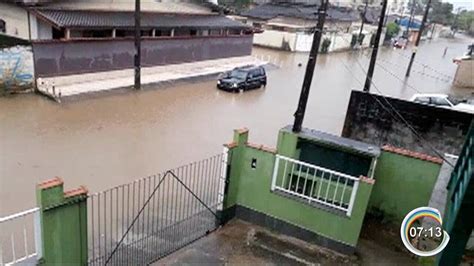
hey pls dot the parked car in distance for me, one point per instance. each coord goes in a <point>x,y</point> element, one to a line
<point>243,78</point>
<point>444,101</point>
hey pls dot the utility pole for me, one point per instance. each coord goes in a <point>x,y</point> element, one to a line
<point>418,38</point>
<point>137,60</point>
<point>308,76</point>
<point>455,23</point>
<point>373,58</point>
<point>363,19</point>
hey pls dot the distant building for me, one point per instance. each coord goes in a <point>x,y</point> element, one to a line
<point>290,26</point>
<point>71,37</point>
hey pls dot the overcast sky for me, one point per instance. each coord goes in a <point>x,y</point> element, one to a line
<point>467,4</point>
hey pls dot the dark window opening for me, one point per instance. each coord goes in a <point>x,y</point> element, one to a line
<point>124,33</point>
<point>160,33</point>
<point>96,33</point>
<point>58,34</point>
<point>234,32</point>
<point>182,32</point>
<point>147,32</point>
<point>278,28</point>
<point>3,26</point>
<point>193,32</point>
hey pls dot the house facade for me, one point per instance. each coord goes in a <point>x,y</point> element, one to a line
<point>74,37</point>
<point>290,26</point>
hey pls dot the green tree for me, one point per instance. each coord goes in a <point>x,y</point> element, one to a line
<point>466,21</point>
<point>441,12</point>
<point>392,30</point>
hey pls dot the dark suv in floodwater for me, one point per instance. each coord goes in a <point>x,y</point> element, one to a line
<point>243,78</point>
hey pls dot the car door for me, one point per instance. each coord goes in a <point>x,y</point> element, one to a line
<point>252,77</point>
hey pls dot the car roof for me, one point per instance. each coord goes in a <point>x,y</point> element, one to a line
<point>247,67</point>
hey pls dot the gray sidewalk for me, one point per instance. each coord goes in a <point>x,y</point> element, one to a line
<point>64,86</point>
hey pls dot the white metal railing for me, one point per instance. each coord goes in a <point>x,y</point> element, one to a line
<point>315,184</point>
<point>17,232</point>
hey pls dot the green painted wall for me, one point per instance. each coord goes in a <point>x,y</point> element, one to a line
<point>402,184</point>
<point>63,227</point>
<point>252,188</point>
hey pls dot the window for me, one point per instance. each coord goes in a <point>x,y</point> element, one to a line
<point>160,33</point>
<point>439,101</point>
<point>124,33</point>
<point>3,26</point>
<point>182,32</point>
<point>257,25</point>
<point>96,33</point>
<point>424,100</point>
<point>278,28</point>
<point>58,34</point>
<point>234,32</point>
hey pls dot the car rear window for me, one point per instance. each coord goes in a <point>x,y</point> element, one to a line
<point>422,100</point>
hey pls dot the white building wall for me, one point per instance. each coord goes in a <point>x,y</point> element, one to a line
<point>16,20</point>
<point>276,39</point>
<point>303,42</point>
<point>45,31</point>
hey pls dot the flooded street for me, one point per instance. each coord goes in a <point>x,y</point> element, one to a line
<point>108,140</point>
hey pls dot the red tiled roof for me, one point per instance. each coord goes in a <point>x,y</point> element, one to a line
<point>56,181</point>
<point>412,154</point>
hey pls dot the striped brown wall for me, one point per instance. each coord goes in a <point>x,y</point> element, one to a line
<point>56,58</point>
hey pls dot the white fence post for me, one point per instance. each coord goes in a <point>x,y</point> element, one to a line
<point>275,172</point>
<point>222,178</point>
<point>38,235</point>
<point>353,195</point>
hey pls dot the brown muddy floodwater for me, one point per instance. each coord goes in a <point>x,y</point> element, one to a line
<point>104,141</point>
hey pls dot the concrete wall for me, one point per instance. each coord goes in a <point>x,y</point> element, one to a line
<point>55,58</point>
<point>16,69</point>
<point>402,184</point>
<point>465,74</point>
<point>301,42</point>
<point>251,188</point>
<point>366,120</point>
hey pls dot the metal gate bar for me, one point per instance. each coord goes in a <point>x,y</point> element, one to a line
<point>143,221</point>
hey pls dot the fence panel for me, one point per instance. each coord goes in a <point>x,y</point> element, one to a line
<point>20,238</point>
<point>143,221</point>
<point>315,184</point>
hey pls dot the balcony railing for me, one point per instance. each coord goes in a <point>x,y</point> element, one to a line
<point>315,184</point>
<point>20,238</point>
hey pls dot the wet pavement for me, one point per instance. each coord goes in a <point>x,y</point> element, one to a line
<point>242,243</point>
<point>113,139</point>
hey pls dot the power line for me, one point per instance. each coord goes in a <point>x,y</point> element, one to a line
<point>448,80</point>
<point>400,117</point>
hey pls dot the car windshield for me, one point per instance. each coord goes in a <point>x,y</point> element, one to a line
<point>238,74</point>
<point>453,100</point>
